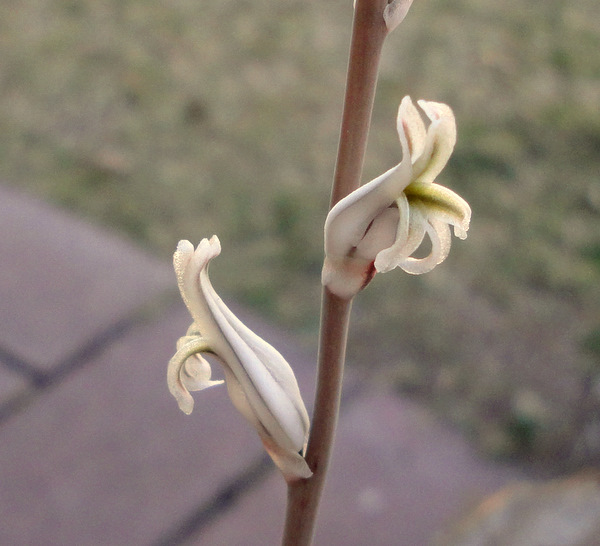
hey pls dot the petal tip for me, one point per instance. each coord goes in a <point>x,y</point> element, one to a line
<point>461,232</point>
<point>292,465</point>
<point>208,249</point>
<point>184,246</point>
<point>185,402</point>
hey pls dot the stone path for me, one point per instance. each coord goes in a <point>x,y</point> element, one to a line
<point>95,452</point>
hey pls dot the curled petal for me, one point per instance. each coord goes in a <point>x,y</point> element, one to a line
<point>405,243</point>
<point>439,235</point>
<point>196,371</point>
<point>180,376</point>
<point>195,374</point>
<point>426,208</point>
<point>443,204</point>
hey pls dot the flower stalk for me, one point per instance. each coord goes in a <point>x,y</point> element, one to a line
<point>368,35</point>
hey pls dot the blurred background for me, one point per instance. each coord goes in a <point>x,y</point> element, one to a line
<point>180,119</point>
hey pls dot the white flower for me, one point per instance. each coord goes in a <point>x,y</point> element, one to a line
<point>261,384</point>
<point>381,224</point>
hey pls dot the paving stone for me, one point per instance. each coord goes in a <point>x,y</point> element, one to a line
<point>62,282</point>
<point>397,476</point>
<point>256,519</point>
<point>106,457</point>
<point>12,384</point>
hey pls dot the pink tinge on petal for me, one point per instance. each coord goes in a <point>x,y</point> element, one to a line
<point>436,110</point>
<point>292,465</point>
<point>346,277</point>
<point>411,129</point>
<point>369,274</point>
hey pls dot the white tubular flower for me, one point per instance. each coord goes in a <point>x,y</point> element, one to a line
<point>261,384</point>
<point>380,225</point>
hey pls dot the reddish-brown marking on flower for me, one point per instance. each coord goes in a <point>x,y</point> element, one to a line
<point>369,274</point>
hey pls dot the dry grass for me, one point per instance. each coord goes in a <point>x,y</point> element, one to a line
<point>179,119</point>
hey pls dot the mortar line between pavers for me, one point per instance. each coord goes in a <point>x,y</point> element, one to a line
<point>242,484</point>
<point>41,380</point>
<point>148,311</point>
<point>224,499</point>
<point>16,364</point>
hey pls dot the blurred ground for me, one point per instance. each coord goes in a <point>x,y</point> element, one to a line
<point>169,120</point>
<point>95,451</point>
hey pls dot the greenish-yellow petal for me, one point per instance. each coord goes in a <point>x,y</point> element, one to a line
<point>443,204</point>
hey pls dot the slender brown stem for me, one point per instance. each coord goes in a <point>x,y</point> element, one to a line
<point>304,495</point>
<point>368,35</point>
